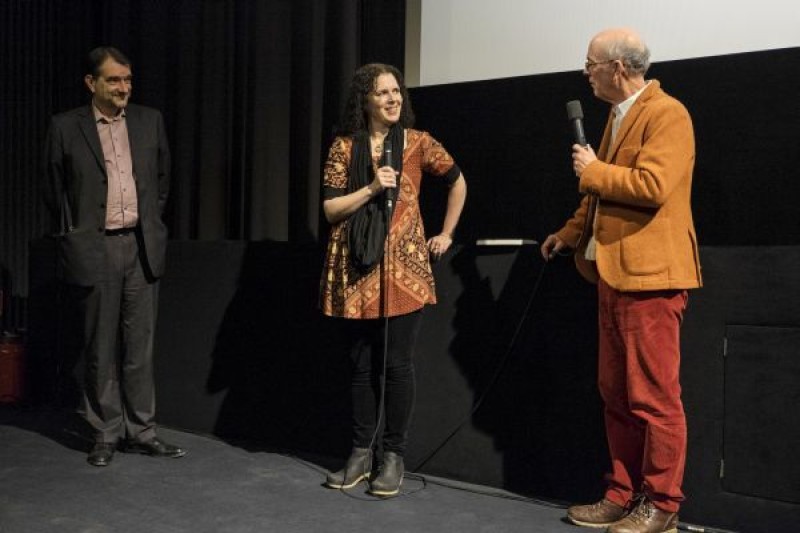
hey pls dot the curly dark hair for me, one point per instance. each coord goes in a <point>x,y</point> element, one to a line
<point>354,117</point>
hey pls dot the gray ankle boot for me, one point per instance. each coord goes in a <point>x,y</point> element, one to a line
<point>358,467</point>
<point>388,482</point>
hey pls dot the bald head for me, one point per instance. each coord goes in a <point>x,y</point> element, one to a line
<point>626,45</point>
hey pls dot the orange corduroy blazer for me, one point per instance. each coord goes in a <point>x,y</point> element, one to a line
<point>643,229</point>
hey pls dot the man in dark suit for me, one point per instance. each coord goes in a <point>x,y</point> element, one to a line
<point>107,179</point>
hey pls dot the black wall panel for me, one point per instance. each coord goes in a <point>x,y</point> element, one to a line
<point>506,397</point>
<point>762,429</point>
<point>512,139</point>
<point>746,289</point>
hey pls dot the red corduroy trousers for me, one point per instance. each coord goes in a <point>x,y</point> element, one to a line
<point>638,377</point>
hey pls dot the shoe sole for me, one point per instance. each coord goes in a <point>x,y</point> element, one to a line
<point>595,525</point>
<point>348,486</point>
<point>386,493</point>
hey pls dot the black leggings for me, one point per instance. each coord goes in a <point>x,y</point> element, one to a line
<point>366,339</point>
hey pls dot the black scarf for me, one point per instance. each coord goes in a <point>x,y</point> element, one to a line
<point>367,227</point>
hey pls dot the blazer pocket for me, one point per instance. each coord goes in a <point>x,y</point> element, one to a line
<point>646,250</point>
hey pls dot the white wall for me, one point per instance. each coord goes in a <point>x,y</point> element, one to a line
<point>467,40</point>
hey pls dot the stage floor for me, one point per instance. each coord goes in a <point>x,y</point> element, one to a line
<point>47,486</point>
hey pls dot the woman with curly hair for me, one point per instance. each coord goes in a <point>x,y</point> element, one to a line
<point>377,276</point>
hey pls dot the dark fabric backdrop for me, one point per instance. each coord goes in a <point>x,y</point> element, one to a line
<point>250,91</point>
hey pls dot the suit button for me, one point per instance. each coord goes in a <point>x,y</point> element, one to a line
<point>101,230</point>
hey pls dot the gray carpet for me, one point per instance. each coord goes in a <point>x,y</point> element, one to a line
<point>47,486</point>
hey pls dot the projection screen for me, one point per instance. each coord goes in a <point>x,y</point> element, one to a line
<point>450,41</point>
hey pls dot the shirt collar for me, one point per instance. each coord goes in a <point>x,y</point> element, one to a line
<point>621,109</point>
<point>99,116</point>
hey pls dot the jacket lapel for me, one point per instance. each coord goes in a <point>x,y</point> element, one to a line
<point>134,125</point>
<point>602,153</point>
<point>630,119</point>
<point>88,128</point>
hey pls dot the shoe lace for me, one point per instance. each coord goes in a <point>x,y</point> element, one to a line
<point>643,512</point>
<point>598,507</point>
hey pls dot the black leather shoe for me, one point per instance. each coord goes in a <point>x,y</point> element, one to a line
<point>155,447</point>
<point>101,454</point>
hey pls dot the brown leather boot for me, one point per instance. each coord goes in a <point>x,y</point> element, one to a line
<point>647,518</point>
<point>600,514</point>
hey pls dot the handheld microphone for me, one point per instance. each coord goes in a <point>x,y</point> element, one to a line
<point>575,116</point>
<point>391,193</point>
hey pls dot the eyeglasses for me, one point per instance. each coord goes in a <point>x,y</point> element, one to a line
<point>589,64</point>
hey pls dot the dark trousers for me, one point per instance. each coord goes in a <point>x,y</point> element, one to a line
<point>367,358</point>
<point>119,315</point>
<point>639,367</point>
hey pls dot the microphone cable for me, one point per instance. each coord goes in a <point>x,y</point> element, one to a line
<point>389,212</point>
<point>411,474</point>
<point>495,375</point>
<point>378,422</point>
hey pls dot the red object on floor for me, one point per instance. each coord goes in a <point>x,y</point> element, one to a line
<point>12,368</point>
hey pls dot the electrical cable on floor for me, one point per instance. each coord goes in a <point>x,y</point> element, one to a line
<point>411,474</point>
<point>490,385</point>
<point>486,491</point>
<point>683,526</point>
<point>495,376</point>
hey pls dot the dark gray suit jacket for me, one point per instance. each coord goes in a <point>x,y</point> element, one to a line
<point>76,187</point>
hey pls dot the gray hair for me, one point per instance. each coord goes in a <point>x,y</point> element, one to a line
<point>633,53</point>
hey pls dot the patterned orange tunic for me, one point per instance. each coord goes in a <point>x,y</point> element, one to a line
<point>403,281</point>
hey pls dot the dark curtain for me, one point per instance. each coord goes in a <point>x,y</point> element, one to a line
<point>250,91</point>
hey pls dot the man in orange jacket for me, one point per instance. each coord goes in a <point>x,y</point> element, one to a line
<point>634,236</point>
